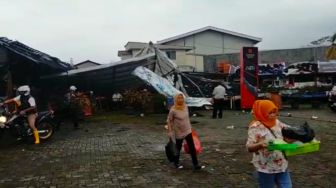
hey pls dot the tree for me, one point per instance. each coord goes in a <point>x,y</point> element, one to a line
<point>331,52</point>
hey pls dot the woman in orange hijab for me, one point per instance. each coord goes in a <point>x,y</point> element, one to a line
<point>266,112</point>
<point>271,165</point>
<point>180,127</point>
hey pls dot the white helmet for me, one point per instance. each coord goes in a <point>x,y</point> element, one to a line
<point>24,90</point>
<point>73,88</point>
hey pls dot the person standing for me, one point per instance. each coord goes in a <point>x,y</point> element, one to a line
<point>180,127</point>
<point>73,107</point>
<point>272,166</point>
<point>117,100</point>
<point>218,94</point>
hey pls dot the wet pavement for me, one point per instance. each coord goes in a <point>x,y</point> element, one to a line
<point>119,150</point>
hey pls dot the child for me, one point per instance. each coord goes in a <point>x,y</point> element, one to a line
<point>270,165</point>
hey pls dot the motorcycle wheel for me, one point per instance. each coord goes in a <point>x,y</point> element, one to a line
<point>45,126</point>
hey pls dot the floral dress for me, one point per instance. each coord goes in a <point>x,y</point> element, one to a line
<point>263,160</point>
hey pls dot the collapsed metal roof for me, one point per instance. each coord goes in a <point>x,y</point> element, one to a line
<point>105,78</point>
<point>49,63</point>
<point>116,76</point>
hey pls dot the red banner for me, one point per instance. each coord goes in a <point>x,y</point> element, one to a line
<point>248,76</point>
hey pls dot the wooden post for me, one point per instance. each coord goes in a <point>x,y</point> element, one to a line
<point>9,92</point>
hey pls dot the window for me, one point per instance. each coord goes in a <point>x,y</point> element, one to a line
<point>171,55</point>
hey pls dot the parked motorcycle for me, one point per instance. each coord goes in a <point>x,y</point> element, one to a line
<point>18,126</point>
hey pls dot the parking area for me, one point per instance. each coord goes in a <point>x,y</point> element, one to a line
<point>118,150</point>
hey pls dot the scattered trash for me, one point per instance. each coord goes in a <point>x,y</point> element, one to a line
<point>166,127</point>
<point>234,159</point>
<point>314,117</point>
<point>142,115</point>
<point>217,150</point>
<point>230,127</point>
<point>194,115</point>
<point>229,151</point>
<point>289,114</point>
<point>23,149</point>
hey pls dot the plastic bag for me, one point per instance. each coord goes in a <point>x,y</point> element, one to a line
<point>302,133</point>
<point>171,151</point>
<point>197,144</point>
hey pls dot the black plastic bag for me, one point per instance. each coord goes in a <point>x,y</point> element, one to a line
<point>171,150</point>
<point>302,133</point>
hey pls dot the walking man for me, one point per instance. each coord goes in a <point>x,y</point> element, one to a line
<point>218,94</point>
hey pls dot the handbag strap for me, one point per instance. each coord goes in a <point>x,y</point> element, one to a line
<point>271,132</point>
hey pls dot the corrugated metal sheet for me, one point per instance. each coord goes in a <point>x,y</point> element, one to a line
<point>48,63</point>
<point>102,79</point>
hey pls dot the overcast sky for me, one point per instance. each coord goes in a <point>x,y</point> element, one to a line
<point>97,29</point>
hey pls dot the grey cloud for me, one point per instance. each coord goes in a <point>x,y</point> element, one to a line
<point>96,30</point>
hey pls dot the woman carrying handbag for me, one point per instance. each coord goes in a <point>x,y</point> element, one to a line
<point>180,127</point>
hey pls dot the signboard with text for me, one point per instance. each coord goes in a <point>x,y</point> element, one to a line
<point>248,76</point>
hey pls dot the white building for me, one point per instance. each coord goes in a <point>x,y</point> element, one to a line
<point>85,64</point>
<point>189,48</point>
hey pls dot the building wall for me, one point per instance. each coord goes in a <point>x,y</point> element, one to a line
<point>212,42</point>
<point>180,42</point>
<point>180,58</point>
<point>195,61</point>
<point>209,43</point>
<point>135,52</point>
<point>269,57</point>
<point>126,57</point>
<point>85,65</point>
<point>234,44</point>
<point>206,43</point>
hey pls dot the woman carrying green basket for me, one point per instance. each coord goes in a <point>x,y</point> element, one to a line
<point>272,166</point>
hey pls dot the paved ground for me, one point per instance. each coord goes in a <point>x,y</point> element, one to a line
<point>117,150</point>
